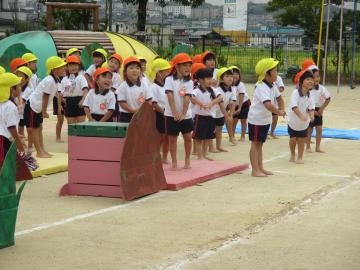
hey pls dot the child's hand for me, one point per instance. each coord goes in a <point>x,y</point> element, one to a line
<point>316,113</point>
<point>281,113</point>
<point>45,115</point>
<point>321,111</point>
<point>20,148</point>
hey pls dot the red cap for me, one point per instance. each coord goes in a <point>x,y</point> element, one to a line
<point>16,63</point>
<point>197,58</point>
<point>181,58</point>
<point>117,57</point>
<point>205,54</point>
<point>100,71</point>
<point>73,59</point>
<point>195,67</point>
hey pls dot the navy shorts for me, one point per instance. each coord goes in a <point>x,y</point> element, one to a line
<point>125,117</point>
<point>258,133</point>
<point>318,120</point>
<point>55,106</point>
<point>31,118</point>
<point>173,128</point>
<point>243,114</point>
<point>297,133</point>
<point>219,122</point>
<point>4,147</point>
<point>98,117</point>
<point>72,108</point>
<point>160,122</point>
<point>204,128</point>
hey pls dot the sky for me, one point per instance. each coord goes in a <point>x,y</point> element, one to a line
<point>220,2</point>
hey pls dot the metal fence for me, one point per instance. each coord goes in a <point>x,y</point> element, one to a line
<point>246,52</point>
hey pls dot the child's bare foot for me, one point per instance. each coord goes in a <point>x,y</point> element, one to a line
<point>165,161</point>
<point>267,172</point>
<point>308,150</point>
<point>258,174</point>
<point>273,136</point>
<point>242,139</point>
<point>311,142</point>
<point>233,141</point>
<point>187,165</point>
<point>319,150</point>
<point>214,151</point>
<point>292,159</point>
<point>221,149</point>
<point>43,155</point>
<point>209,158</point>
<point>300,161</point>
<point>59,141</point>
<point>173,166</point>
<point>47,153</point>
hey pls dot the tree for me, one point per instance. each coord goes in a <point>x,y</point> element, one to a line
<point>141,20</point>
<point>303,13</point>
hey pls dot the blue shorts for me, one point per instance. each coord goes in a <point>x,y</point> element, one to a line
<point>173,128</point>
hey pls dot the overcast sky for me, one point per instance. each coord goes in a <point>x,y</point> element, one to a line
<point>221,2</point>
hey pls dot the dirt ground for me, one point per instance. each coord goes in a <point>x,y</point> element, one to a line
<point>303,217</point>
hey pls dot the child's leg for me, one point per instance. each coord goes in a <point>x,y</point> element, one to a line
<point>41,140</point>
<point>254,159</point>
<point>218,136</point>
<point>173,150</point>
<point>30,140</point>
<point>243,129</point>
<point>308,139</point>
<point>318,139</point>
<point>231,133</point>
<point>204,150</point>
<point>187,146</point>
<point>195,145</point>
<point>273,126</point>
<point>261,164</point>
<point>292,145</point>
<point>34,135</point>
<point>80,119</point>
<point>59,124</point>
<point>199,146</point>
<point>70,120</point>
<point>165,148</point>
<point>234,123</point>
<point>21,131</point>
<point>300,143</point>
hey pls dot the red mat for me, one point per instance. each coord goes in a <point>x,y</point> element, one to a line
<point>201,171</point>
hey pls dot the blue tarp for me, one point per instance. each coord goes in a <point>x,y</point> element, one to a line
<point>327,132</point>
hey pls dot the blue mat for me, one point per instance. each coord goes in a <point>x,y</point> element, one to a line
<point>327,132</point>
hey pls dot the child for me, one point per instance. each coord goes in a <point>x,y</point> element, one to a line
<point>99,103</point>
<point>205,98</point>
<point>209,60</point>
<point>31,62</point>
<point>260,113</point>
<point>73,51</point>
<point>321,98</point>
<point>301,111</point>
<point>114,65</point>
<point>143,63</point>
<point>243,101</point>
<point>225,109</point>
<point>25,74</point>
<point>58,110</point>
<point>9,117</point>
<point>133,92</point>
<point>178,117</point>
<point>279,87</point>
<point>99,58</point>
<point>160,69</point>
<point>36,107</point>
<point>73,90</point>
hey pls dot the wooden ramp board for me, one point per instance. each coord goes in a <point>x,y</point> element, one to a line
<point>58,163</point>
<point>201,171</point>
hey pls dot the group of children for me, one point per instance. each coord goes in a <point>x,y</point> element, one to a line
<point>189,96</point>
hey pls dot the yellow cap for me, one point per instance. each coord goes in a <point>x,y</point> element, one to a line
<point>54,62</point>
<point>29,57</point>
<point>141,58</point>
<point>158,65</point>
<point>105,65</point>
<point>234,67</point>
<point>102,52</point>
<point>2,70</point>
<point>71,51</point>
<point>221,71</point>
<point>27,71</point>
<point>7,80</point>
<point>265,65</point>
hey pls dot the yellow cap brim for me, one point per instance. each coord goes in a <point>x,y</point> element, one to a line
<point>58,66</point>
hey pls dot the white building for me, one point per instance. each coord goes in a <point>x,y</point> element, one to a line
<point>235,15</point>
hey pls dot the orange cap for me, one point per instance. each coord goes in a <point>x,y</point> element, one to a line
<point>298,76</point>
<point>307,63</point>
<point>100,71</point>
<point>117,57</point>
<point>17,62</point>
<point>206,54</point>
<point>195,68</point>
<point>181,58</point>
<point>73,59</point>
<point>131,59</point>
<point>197,58</point>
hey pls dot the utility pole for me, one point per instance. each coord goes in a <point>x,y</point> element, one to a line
<point>110,14</point>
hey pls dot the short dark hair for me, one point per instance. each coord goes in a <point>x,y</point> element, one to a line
<point>204,73</point>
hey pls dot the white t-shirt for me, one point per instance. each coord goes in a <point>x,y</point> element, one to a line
<point>27,92</point>
<point>146,81</point>
<point>304,104</point>
<point>180,89</point>
<point>319,96</point>
<point>9,117</point>
<point>158,94</point>
<point>277,85</point>
<point>100,103</point>
<point>91,70</point>
<point>258,114</point>
<point>214,73</point>
<point>205,98</point>
<point>241,89</point>
<point>134,95</point>
<point>47,86</point>
<point>116,80</point>
<point>228,97</point>
<point>72,86</point>
<point>34,81</point>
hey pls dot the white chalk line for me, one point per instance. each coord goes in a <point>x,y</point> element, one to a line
<point>295,211</point>
<point>89,214</point>
<point>318,174</point>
